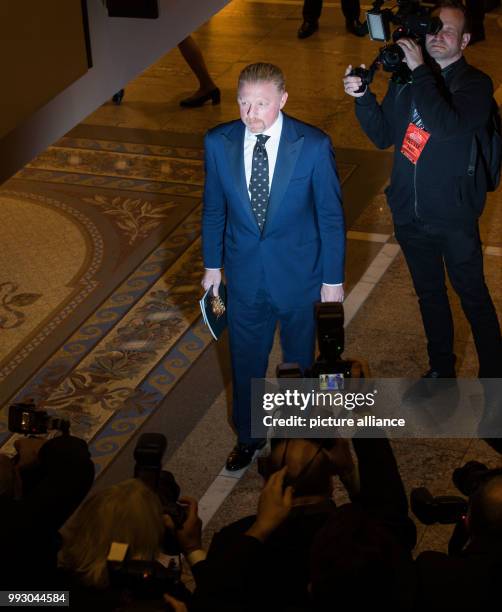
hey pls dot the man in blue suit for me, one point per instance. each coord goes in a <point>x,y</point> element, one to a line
<point>273,219</point>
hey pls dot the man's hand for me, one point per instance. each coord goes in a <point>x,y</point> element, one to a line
<point>27,450</point>
<point>190,535</point>
<point>412,52</point>
<point>211,278</point>
<point>273,506</point>
<point>352,83</point>
<point>332,294</point>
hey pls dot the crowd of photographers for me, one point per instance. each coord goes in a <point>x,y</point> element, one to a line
<point>300,551</point>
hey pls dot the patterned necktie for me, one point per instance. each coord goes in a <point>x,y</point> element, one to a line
<point>258,184</point>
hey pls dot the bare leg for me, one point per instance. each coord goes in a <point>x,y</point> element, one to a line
<point>194,58</point>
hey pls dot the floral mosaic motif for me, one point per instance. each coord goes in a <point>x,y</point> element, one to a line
<point>155,324</point>
<point>108,383</point>
<point>135,217</point>
<point>104,163</point>
<point>10,301</point>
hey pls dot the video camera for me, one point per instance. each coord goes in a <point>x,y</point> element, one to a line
<point>25,419</point>
<point>147,579</point>
<point>452,509</point>
<point>148,455</point>
<point>413,20</point>
<point>331,341</point>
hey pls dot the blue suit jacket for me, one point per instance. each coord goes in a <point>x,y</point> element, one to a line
<point>303,242</point>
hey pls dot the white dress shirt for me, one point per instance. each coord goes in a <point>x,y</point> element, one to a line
<point>272,147</point>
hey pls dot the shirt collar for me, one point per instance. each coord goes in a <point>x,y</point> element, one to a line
<point>274,131</point>
<point>451,67</point>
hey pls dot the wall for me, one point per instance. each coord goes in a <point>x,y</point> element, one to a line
<point>121,49</point>
<point>44,50</point>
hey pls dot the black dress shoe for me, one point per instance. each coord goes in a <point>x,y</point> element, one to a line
<point>214,95</point>
<point>354,26</point>
<point>431,384</point>
<point>308,28</point>
<point>242,455</point>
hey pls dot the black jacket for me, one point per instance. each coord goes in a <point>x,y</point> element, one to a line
<point>469,581</point>
<point>241,574</point>
<point>453,105</point>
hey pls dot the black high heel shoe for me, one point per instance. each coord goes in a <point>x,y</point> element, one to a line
<point>214,95</point>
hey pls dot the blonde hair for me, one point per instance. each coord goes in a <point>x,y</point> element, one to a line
<point>263,72</point>
<point>127,512</point>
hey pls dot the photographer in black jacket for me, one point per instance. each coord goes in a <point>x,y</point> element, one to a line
<point>361,558</point>
<point>431,121</point>
<point>469,580</point>
<point>38,493</point>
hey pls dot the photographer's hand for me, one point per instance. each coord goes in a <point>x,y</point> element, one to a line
<point>352,83</point>
<point>27,451</point>
<point>190,535</point>
<point>340,457</point>
<point>343,464</point>
<point>273,506</point>
<point>412,52</point>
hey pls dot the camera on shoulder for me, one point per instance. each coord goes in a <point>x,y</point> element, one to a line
<point>412,19</point>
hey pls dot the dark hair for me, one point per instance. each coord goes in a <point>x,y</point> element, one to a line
<point>459,6</point>
<point>354,560</point>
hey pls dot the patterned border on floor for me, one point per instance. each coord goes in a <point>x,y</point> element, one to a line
<point>117,368</point>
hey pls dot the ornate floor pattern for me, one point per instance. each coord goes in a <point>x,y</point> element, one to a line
<point>134,210</point>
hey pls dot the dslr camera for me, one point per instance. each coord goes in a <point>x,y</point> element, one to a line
<point>412,20</point>
<point>452,509</point>
<point>148,580</point>
<point>148,455</point>
<point>24,418</point>
<point>331,342</point>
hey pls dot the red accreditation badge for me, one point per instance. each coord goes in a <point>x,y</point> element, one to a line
<point>414,142</point>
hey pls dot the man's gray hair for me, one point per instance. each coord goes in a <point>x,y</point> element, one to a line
<point>263,72</point>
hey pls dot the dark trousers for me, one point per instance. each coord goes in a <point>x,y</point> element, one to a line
<point>251,330</point>
<point>428,250</point>
<point>312,9</point>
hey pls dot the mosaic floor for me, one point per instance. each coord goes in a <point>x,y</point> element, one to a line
<point>93,207</point>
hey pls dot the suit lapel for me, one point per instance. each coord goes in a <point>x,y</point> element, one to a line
<point>234,148</point>
<point>290,147</point>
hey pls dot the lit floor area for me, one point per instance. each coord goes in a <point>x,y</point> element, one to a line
<point>101,263</point>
